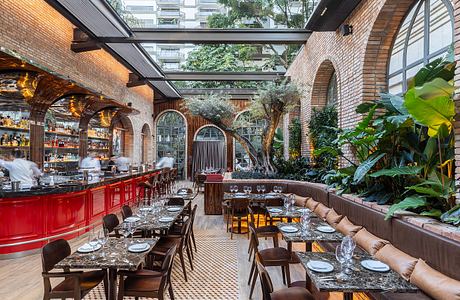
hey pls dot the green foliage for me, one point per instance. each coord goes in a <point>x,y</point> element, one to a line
<point>295,138</point>
<point>404,153</point>
<point>126,15</point>
<point>323,134</point>
<point>278,144</point>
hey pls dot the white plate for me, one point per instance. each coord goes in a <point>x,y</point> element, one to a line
<point>275,210</point>
<point>302,210</point>
<point>320,266</point>
<point>325,229</point>
<point>166,219</point>
<point>289,229</point>
<point>145,209</point>
<point>139,247</point>
<point>240,194</point>
<point>182,193</point>
<point>132,219</point>
<point>173,209</point>
<point>86,248</point>
<point>375,265</point>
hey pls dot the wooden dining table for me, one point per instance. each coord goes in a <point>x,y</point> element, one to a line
<point>112,257</point>
<point>361,279</point>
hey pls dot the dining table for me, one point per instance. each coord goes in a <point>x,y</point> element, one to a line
<point>291,212</point>
<point>112,257</point>
<point>317,231</point>
<point>361,278</point>
<point>185,196</point>
<point>155,219</point>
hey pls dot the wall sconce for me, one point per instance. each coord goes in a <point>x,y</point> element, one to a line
<point>346,29</point>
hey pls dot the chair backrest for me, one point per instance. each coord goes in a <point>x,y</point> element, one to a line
<point>110,221</point>
<point>274,201</point>
<point>193,215</point>
<point>54,252</point>
<point>265,281</point>
<point>239,205</point>
<point>126,211</point>
<point>176,201</point>
<point>251,214</point>
<point>166,267</point>
<point>254,237</point>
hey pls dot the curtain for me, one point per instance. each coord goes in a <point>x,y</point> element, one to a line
<point>208,154</point>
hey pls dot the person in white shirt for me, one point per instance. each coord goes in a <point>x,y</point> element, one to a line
<point>122,164</point>
<point>92,163</point>
<point>21,170</point>
<point>166,161</point>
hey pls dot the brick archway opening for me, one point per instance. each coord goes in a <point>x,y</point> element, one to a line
<point>379,46</point>
<point>321,82</point>
<point>146,143</point>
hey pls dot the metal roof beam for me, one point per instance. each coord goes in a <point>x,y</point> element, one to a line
<point>213,36</point>
<point>221,76</point>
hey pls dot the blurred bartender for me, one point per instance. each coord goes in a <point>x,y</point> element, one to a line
<point>121,162</point>
<point>91,162</point>
<point>166,161</point>
<point>20,169</point>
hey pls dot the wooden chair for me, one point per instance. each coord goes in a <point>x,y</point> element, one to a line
<point>268,231</point>
<point>276,256</point>
<point>110,222</point>
<point>199,181</point>
<point>292,293</point>
<point>181,241</point>
<point>76,284</point>
<point>126,211</point>
<point>148,283</point>
<point>238,211</point>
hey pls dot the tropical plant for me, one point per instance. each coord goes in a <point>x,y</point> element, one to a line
<point>404,147</point>
<point>295,138</point>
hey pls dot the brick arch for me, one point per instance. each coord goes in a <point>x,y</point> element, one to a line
<point>379,46</point>
<point>321,83</point>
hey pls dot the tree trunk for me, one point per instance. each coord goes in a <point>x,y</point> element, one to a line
<point>267,142</point>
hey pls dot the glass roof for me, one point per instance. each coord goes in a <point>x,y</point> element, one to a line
<point>221,57</point>
<point>218,84</point>
<point>214,13</point>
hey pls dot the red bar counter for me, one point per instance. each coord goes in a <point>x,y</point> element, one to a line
<point>36,214</point>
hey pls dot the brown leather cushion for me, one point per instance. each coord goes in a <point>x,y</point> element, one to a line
<point>88,280</point>
<point>399,261</point>
<point>348,228</point>
<point>301,201</point>
<point>434,283</point>
<point>322,210</point>
<point>333,218</point>
<point>293,293</point>
<point>312,204</point>
<point>146,284</point>
<point>368,241</point>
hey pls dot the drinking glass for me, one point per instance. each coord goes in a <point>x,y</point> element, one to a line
<point>348,246</point>
<point>126,229</point>
<point>292,201</point>
<point>339,255</point>
<point>258,189</point>
<point>305,222</point>
<point>93,241</point>
<point>103,237</point>
<point>249,189</point>
<point>262,189</point>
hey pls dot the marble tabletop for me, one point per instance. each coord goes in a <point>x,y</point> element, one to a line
<point>252,196</point>
<point>361,279</point>
<point>152,220</point>
<point>292,212</point>
<point>116,256</point>
<point>185,196</point>
<point>312,234</point>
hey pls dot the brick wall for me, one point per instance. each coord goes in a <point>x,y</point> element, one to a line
<point>360,60</point>
<point>34,30</point>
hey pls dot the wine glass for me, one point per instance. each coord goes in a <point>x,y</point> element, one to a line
<point>103,237</point>
<point>305,222</point>
<point>258,189</point>
<point>341,258</point>
<point>93,241</point>
<point>262,189</point>
<point>126,231</point>
<point>132,229</point>
<point>348,246</point>
<point>249,189</point>
<point>292,201</point>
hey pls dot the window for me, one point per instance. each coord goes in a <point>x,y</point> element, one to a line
<point>425,34</point>
<point>252,130</point>
<point>146,23</point>
<point>171,138</point>
<point>210,133</point>
<point>332,92</point>
<point>140,8</point>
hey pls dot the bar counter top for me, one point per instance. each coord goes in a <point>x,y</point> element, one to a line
<point>70,187</point>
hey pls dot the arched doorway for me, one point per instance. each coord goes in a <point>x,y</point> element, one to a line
<point>146,142</point>
<point>171,137</point>
<point>209,149</point>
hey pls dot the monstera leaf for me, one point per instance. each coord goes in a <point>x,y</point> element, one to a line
<point>432,113</point>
